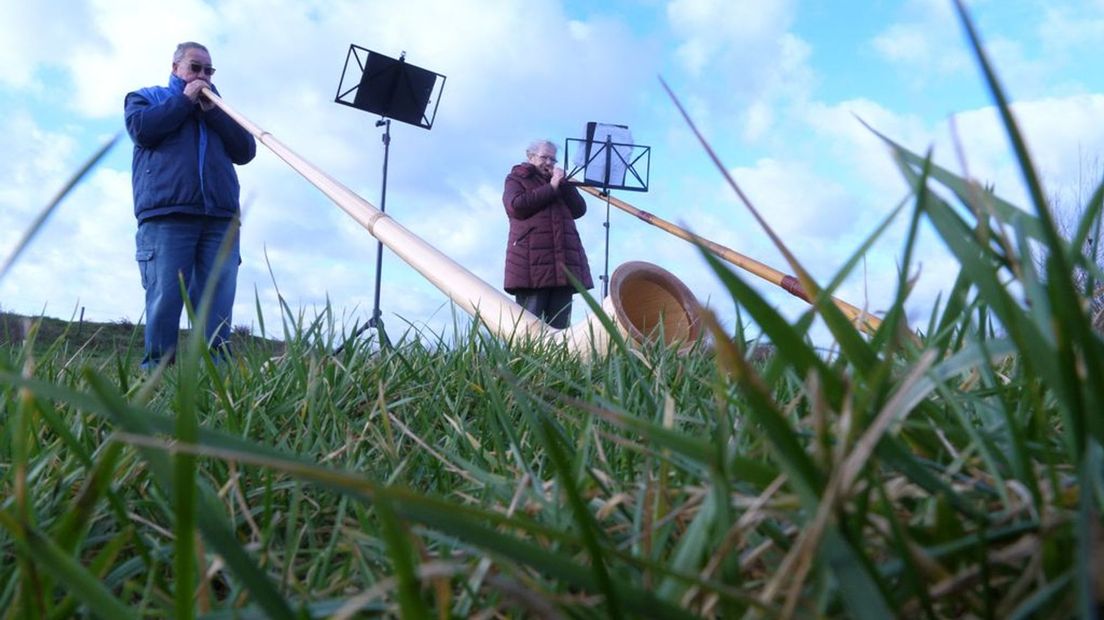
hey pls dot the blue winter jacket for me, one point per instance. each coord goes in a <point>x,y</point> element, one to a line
<point>183,157</point>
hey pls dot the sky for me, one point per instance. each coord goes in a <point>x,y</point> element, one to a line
<point>778,87</point>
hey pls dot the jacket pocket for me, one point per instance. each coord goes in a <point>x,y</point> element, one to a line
<point>146,267</point>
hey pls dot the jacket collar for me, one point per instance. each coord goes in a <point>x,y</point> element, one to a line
<point>526,170</point>
<point>176,83</point>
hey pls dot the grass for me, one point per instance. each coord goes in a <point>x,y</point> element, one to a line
<point>950,470</point>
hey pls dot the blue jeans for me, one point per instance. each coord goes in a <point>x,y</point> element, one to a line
<point>173,245</point>
<point>552,305</point>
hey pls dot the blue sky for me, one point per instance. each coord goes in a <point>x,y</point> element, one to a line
<point>775,85</point>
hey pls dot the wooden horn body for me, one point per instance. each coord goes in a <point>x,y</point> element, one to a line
<point>866,321</point>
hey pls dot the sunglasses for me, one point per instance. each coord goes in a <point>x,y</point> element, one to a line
<point>208,70</point>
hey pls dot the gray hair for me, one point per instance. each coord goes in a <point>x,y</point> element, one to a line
<point>535,145</point>
<point>178,55</point>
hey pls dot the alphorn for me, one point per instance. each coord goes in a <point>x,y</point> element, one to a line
<point>645,301</point>
<point>788,283</point>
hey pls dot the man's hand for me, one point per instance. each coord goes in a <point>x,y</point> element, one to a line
<point>193,90</point>
<point>557,176</point>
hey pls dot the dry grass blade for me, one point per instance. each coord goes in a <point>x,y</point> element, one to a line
<point>383,588</point>
<point>797,563</point>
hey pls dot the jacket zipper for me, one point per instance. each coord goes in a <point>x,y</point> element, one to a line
<point>518,240</point>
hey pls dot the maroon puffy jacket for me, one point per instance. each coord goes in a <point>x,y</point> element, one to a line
<point>543,241</point>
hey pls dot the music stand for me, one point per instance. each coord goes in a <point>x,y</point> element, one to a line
<point>393,89</point>
<point>608,158</point>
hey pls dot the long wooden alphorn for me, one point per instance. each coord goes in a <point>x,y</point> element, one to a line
<point>789,283</point>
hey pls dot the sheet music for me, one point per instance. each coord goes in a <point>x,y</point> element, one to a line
<point>619,154</point>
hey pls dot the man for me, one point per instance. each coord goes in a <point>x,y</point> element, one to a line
<point>543,246</point>
<point>186,196</point>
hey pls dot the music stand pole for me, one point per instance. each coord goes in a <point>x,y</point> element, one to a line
<point>605,274</point>
<point>593,148</point>
<point>606,191</point>
<point>396,90</point>
<point>377,318</point>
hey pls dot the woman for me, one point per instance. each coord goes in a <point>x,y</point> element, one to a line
<point>543,246</point>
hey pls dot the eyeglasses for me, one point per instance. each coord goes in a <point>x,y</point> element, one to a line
<point>548,158</point>
<point>207,70</point>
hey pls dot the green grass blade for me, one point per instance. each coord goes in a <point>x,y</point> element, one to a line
<point>1040,603</point>
<point>404,562</point>
<point>64,569</point>
<point>551,437</point>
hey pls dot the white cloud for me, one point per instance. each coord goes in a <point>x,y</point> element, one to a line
<point>1063,135</point>
<point>127,41</point>
<point>37,34</point>
<point>713,28</point>
<point>1066,28</point>
<point>901,43</point>
<point>83,256</point>
<point>744,56</point>
<point>1026,45</point>
<point>36,163</point>
<point>859,150</point>
<point>794,200</point>
<point>924,50</point>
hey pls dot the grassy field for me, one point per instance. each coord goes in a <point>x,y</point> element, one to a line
<point>950,469</point>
